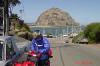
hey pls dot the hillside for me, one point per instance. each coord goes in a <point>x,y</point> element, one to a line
<point>55,17</point>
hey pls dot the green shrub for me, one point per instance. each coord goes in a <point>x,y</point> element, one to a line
<point>76,37</point>
<point>19,28</point>
<point>92,32</point>
<point>26,28</point>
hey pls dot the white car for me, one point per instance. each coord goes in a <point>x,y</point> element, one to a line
<point>65,35</point>
<point>9,52</point>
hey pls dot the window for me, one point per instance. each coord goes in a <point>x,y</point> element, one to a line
<point>9,50</point>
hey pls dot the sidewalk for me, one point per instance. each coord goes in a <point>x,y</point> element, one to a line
<point>98,45</point>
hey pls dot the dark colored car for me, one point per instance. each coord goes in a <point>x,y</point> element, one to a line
<point>50,36</point>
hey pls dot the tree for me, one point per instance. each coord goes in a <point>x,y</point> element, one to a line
<point>92,32</point>
<point>14,16</point>
<point>12,4</point>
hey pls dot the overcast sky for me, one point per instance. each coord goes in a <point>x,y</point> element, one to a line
<point>82,11</point>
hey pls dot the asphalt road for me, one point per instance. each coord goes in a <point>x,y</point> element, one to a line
<point>68,54</point>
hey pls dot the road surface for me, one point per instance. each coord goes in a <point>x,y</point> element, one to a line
<point>68,54</point>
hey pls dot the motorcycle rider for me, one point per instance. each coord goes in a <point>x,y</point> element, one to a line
<point>40,45</point>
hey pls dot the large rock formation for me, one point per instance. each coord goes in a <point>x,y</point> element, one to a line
<point>55,17</point>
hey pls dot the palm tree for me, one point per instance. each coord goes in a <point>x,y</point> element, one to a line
<point>8,4</point>
<point>12,4</point>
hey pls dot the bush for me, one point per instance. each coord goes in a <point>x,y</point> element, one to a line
<point>92,32</point>
<point>26,28</point>
<point>26,35</point>
<point>76,37</point>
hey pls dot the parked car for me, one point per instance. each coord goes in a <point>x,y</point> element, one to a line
<point>55,36</point>
<point>50,36</point>
<point>9,52</point>
<point>82,40</point>
<point>66,41</point>
<point>65,35</point>
<point>44,35</point>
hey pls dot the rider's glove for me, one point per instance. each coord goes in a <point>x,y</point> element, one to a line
<point>36,52</point>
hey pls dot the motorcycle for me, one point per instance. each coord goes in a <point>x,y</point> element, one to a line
<point>32,57</point>
<point>35,58</point>
<point>31,60</point>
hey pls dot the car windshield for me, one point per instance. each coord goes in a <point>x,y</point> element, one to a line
<point>84,38</point>
<point>1,47</point>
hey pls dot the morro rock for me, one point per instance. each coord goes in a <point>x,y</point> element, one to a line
<point>55,17</point>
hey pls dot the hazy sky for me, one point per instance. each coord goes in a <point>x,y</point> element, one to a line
<point>82,11</point>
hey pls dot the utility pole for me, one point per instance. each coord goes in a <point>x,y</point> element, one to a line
<point>56,33</point>
<point>4,20</point>
<point>44,31</point>
<point>6,17</point>
<point>80,29</point>
<point>67,30</point>
<point>63,32</point>
<point>72,27</point>
<point>1,17</point>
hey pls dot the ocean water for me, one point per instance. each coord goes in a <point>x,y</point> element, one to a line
<point>56,31</point>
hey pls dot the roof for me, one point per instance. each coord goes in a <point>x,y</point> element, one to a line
<point>3,38</point>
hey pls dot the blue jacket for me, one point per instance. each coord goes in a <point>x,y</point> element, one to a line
<point>43,47</point>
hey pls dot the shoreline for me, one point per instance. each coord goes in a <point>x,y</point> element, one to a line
<point>48,26</point>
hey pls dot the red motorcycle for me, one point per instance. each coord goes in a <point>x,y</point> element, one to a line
<point>33,59</point>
